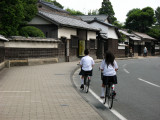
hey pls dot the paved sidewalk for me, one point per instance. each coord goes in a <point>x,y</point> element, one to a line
<point>43,92</point>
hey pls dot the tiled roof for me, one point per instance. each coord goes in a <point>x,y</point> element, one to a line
<point>104,35</point>
<point>102,22</point>
<point>124,32</point>
<point>21,38</point>
<point>131,36</point>
<point>51,5</point>
<point>143,35</point>
<point>136,35</point>
<point>88,18</point>
<point>3,38</point>
<point>136,38</point>
<point>67,21</point>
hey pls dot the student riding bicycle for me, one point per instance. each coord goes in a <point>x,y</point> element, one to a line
<point>109,67</point>
<point>86,64</point>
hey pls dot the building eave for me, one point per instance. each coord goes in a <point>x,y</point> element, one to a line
<point>48,19</point>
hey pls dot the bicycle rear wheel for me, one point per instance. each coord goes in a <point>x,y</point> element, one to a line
<point>110,97</point>
<point>87,84</point>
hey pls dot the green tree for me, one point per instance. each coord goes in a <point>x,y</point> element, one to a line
<point>107,9</point>
<point>14,13</point>
<point>31,32</point>
<point>93,12</point>
<point>140,20</point>
<point>30,9</point>
<point>57,4</point>
<point>74,12</point>
<point>11,15</point>
<point>122,38</point>
<point>157,12</point>
<point>118,24</point>
<point>154,32</point>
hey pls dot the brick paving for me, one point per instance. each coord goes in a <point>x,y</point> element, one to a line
<point>43,92</point>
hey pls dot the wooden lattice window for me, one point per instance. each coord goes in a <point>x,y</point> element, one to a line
<point>74,40</point>
<point>93,44</point>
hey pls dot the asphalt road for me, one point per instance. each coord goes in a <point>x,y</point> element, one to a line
<point>138,89</point>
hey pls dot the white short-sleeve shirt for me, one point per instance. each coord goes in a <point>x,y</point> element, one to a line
<point>110,70</point>
<point>87,62</point>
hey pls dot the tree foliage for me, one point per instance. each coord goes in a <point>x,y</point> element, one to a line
<point>107,9</point>
<point>140,20</point>
<point>118,24</point>
<point>154,32</point>
<point>93,12</point>
<point>122,38</point>
<point>14,13</point>
<point>74,12</point>
<point>11,15</point>
<point>30,9</point>
<point>157,12</point>
<point>57,4</point>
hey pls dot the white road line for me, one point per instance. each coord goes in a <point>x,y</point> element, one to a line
<point>126,71</point>
<point>124,65</point>
<point>112,110</point>
<point>148,82</point>
<point>14,91</point>
<point>98,98</point>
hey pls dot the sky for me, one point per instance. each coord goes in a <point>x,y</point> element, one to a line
<point>120,7</point>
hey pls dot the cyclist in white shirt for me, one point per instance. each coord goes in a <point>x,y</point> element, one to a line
<point>86,64</point>
<point>109,67</point>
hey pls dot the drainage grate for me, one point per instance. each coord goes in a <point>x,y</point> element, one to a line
<point>59,74</point>
<point>64,105</point>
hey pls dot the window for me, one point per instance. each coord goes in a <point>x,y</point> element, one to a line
<point>74,41</point>
<point>46,34</point>
<point>93,44</point>
<point>40,6</point>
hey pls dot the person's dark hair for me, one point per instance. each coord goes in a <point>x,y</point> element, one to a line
<point>86,52</point>
<point>109,58</point>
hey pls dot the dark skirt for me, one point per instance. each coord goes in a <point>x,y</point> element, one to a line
<point>84,73</point>
<point>107,79</point>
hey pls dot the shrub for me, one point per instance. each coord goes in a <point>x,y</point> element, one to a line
<point>30,31</point>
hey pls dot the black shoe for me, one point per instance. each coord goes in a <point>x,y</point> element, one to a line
<point>82,87</point>
<point>102,97</point>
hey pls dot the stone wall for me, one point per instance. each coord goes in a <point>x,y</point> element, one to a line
<point>20,51</point>
<point>29,51</point>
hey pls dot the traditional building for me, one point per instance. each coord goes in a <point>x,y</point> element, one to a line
<point>57,23</point>
<point>146,41</point>
<point>137,41</point>
<point>107,37</point>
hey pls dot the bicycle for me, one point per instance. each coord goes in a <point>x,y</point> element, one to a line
<point>109,94</point>
<point>87,80</point>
